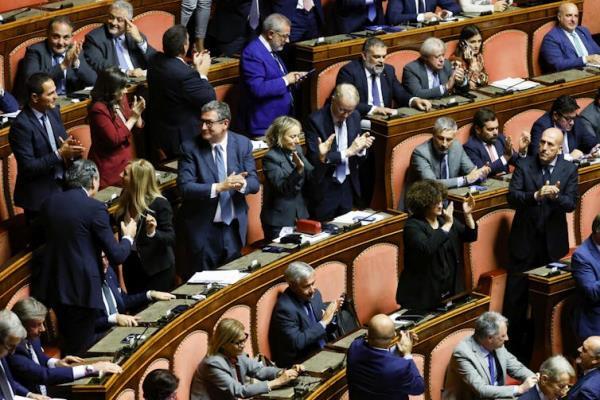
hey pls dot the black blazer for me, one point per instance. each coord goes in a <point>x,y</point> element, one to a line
<point>230,19</point>
<point>541,221</point>
<point>477,152</point>
<point>579,138</point>
<point>352,15</point>
<point>391,88</point>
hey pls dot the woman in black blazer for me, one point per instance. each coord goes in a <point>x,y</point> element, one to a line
<point>286,172</point>
<point>433,243</point>
<point>151,264</point>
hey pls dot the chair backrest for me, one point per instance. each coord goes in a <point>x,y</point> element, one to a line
<point>536,44</point>
<point>23,293</point>
<point>255,230</point>
<point>230,94</point>
<point>14,58</point>
<point>419,360</point>
<point>330,278</point>
<point>2,71</point>
<point>154,24</point>
<point>398,59</point>
<point>188,355</point>
<point>83,134</point>
<point>505,55</point>
<point>463,133</point>
<point>572,230</point>
<point>588,209</point>
<point>520,122</point>
<point>127,394</point>
<point>583,102</point>
<point>375,280</point>
<point>241,312</point>
<point>264,310</point>
<point>14,4</point>
<point>450,48</point>
<point>8,180</point>
<point>325,83</point>
<point>159,363</point>
<point>79,34</point>
<point>591,16</point>
<point>556,336</point>
<point>439,358</point>
<point>400,163</point>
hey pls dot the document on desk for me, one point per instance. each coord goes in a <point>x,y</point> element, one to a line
<point>258,144</point>
<point>365,217</point>
<point>226,277</point>
<point>514,84</point>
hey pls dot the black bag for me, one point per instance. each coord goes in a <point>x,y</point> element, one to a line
<point>346,319</point>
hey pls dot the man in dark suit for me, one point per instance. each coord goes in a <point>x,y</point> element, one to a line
<point>567,45</point>
<point>590,117</point>
<point>216,172</point>
<point>487,146</point>
<point>8,103</point>
<point>403,11</point>
<point>376,82</point>
<point>118,43</point>
<point>339,188</point>
<point>374,371</point>
<point>431,76</point>
<point>306,16</point>
<point>33,368</point>
<point>555,377</point>
<point>39,142</point>
<point>60,57</point>
<point>177,92</point>
<point>300,320</point>
<point>355,15</point>
<point>587,386</point>
<point>71,280</point>
<point>563,115</point>
<point>543,189</point>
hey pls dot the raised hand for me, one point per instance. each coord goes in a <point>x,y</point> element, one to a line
<point>139,105</point>
<point>297,162</point>
<point>150,225</point>
<point>201,61</point>
<point>133,31</point>
<point>469,204</point>
<point>325,146</point>
<point>508,150</point>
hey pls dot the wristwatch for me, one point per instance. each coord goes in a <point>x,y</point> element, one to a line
<point>90,370</point>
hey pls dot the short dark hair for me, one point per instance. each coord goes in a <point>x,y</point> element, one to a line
<point>159,384</point>
<point>35,82</point>
<point>82,174</point>
<point>61,19</point>
<point>482,116</point>
<point>373,42</point>
<point>564,104</point>
<point>174,40</point>
<point>424,194</point>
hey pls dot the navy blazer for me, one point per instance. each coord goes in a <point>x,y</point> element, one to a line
<point>176,96</point>
<point>557,53</point>
<point>531,394</point>
<point>402,11</point>
<point>579,138</point>
<point>17,388</point>
<point>352,15</point>
<point>586,272</point>
<point>544,220</point>
<point>586,387</point>
<point>477,152</point>
<point>292,334</point>
<point>230,19</point>
<point>391,88</point>
<point>32,374</point>
<point>378,374</point>
<point>99,50</point>
<point>8,103</point>
<point>36,162</point>
<point>197,173</point>
<point>288,8</point>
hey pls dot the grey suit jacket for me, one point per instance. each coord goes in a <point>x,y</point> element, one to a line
<point>425,164</point>
<point>216,378</point>
<point>590,119</point>
<point>468,375</point>
<point>414,79</point>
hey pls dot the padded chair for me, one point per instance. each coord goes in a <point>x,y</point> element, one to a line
<point>83,134</point>
<point>14,58</point>
<point>588,209</point>
<point>230,94</point>
<point>8,174</point>
<point>571,230</point>
<point>79,34</point>
<point>324,84</point>
<point>450,47</point>
<point>330,279</point>
<point>14,4</point>
<point>241,313</point>
<point>419,360</point>
<point>487,256</point>
<point>583,102</point>
<point>255,231</point>
<point>401,162</point>
<point>264,310</point>
<point>536,44</point>
<point>23,293</point>
<point>375,280</point>
<point>186,358</point>
<point>159,363</point>
<point>2,70</point>
<point>463,133</point>
<point>398,59</point>
<point>127,394</point>
<point>154,24</point>
<point>591,16</point>
<point>520,122</point>
<point>439,358</point>
<point>556,336</point>
<point>505,55</point>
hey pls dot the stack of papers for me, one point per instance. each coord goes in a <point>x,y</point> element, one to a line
<point>514,84</point>
<point>258,144</point>
<point>226,277</point>
<point>365,217</point>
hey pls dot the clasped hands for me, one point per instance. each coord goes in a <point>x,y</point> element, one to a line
<point>548,191</point>
<point>233,182</point>
<point>70,149</point>
<point>331,309</point>
<point>360,143</point>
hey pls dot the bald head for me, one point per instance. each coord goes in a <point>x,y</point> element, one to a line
<point>381,331</point>
<point>589,353</point>
<point>568,16</point>
<point>550,145</point>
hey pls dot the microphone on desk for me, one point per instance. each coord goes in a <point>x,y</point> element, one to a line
<point>254,265</point>
<point>358,223</point>
<point>13,17</point>
<point>509,89</point>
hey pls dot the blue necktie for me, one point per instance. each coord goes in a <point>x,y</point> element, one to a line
<point>224,197</point>
<point>112,308</point>
<point>492,368</point>
<point>342,143</point>
<point>313,318</point>
<point>444,167</point>
<point>577,43</point>
<point>375,91</point>
<point>254,15</point>
<point>60,84</point>
<point>121,53</point>
<point>371,12</point>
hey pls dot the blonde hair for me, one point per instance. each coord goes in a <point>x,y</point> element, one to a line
<point>280,127</point>
<point>227,331</point>
<point>141,190</point>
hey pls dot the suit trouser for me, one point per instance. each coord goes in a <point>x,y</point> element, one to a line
<point>304,25</point>
<point>336,201</point>
<point>76,326</point>
<point>223,244</point>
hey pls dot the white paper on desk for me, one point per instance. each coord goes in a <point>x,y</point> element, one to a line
<point>352,216</point>
<point>311,239</point>
<point>11,115</point>
<point>225,277</point>
<point>514,84</point>
<point>592,65</point>
<point>258,144</point>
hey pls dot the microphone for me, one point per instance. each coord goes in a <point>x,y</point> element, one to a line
<point>509,89</point>
<point>13,17</point>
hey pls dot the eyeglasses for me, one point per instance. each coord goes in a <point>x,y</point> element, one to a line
<point>209,123</point>
<point>567,117</point>
<point>284,36</point>
<point>241,341</point>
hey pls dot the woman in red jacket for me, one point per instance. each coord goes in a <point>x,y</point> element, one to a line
<point>111,122</point>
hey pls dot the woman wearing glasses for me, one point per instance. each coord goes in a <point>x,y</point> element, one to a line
<point>223,374</point>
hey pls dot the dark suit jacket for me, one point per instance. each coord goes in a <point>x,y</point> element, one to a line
<point>176,95</point>
<point>77,235</point>
<point>586,387</point>
<point>531,394</point>
<point>352,15</point>
<point>230,19</point>
<point>544,221</point>
<point>288,8</point>
<point>100,53</point>
<point>292,335</point>
<point>578,138</point>
<point>558,54</point>
<point>477,152</point>
<point>376,374</point>
<point>414,79</point>
<point>590,120</point>
<point>17,388</point>
<point>586,272</point>
<point>402,11</point>
<point>8,103</point>
<point>197,173</point>
<point>32,374</point>
<point>391,89</point>
<point>425,164</point>
<point>36,162</point>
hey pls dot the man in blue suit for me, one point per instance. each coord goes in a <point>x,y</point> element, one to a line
<point>487,146</point>
<point>588,386</point>
<point>403,11</point>
<point>266,83</point>
<point>8,103</point>
<point>355,15</point>
<point>374,372</point>
<point>11,334</point>
<point>216,172</point>
<point>306,17</point>
<point>568,45</point>
<point>555,377</point>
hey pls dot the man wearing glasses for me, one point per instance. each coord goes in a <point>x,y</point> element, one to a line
<point>563,115</point>
<point>555,377</point>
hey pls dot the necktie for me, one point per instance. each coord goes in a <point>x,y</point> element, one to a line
<point>121,53</point>
<point>36,360</point>
<point>491,149</point>
<point>375,91</point>
<point>112,308</point>
<point>546,174</point>
<point>48,128</point>
<point>565,146</point>
<point>342,142</point>
<point>254,15</point>
<point>4,385</point>
<point>444,167</point>
<point>313,318</point>
<point>371,12</point>
<point>276,57</point>
<point>308,5</point>
<point>60,83</point>
<point>435,81</point>
<point>577,43</point>
<point>492,368</point>
<point>421,9</point>
<point>224,197</point>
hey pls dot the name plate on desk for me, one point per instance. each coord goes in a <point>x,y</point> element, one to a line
<point>324,361</point>
<point>108,195</point>
<point>302,386</point>
<point>113,341</point>
<point>160,309</point>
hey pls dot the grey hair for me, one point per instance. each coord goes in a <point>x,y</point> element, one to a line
<point>431,45</point>
<point>124,5</point>
<point>221,108</point>
<point>488,324</point>
<point>82,174</point>
<point>298,271</point>
<point>10,325</point>
<point>346,91</point>
<point>444,124</point>
<point>555,366</point>
<point>30,309</point>
<point>275,22</point>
